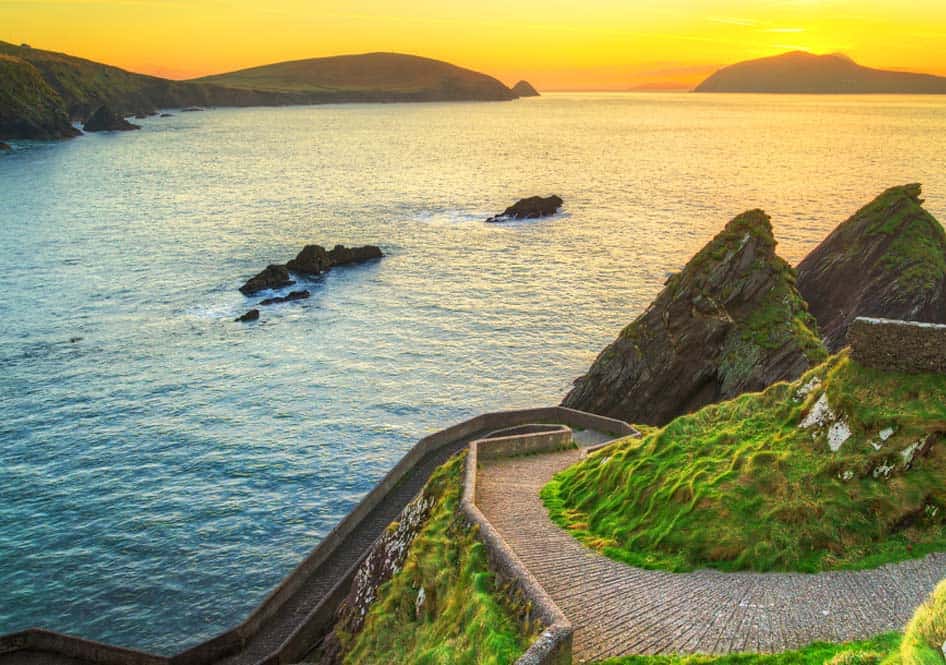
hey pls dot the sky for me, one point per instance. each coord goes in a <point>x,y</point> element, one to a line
<point>556,45</point>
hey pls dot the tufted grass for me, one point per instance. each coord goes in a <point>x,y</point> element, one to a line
<point>925,635</point>
<point>465,618</point>
<point>865,652</point>
<point>740,486</point>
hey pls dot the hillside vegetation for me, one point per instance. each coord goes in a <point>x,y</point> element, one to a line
<point>28,106</point>
<point>842,468</point>
<point>443,607</point>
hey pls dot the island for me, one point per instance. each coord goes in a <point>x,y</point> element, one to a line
<point>800,72</point>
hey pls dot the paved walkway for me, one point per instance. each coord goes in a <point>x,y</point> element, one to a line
<point>617,609</point>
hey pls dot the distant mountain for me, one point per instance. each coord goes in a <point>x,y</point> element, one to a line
<point>800,72</point>
<point>42,91</point>
<point>368,77</point>
<point>525,89</point>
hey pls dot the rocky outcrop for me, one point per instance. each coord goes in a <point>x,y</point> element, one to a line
<point>291,296</point>
<point>887,261</point>
<point>252,315</point>
<point>273,277</point>
<point>525,89</point>
<point>730,322</point>
<point>106,120</point>
<point>532,207</point>
<point>314,259</point>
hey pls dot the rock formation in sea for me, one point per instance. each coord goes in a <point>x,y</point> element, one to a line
<point>525,89</point>
<point>312,260</point>
<point>887,261</point>
<point>106,120</point>
<point>730,322</point>
<point>5,148</point>
<point>532,207</point>
<point>289,297</point>
<point>272,277</point>
<point>251,315</point>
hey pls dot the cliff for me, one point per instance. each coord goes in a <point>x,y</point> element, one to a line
<point>730,322</point>
<point>800,72</point>
<point>29,108</point>
<point>887,261</point>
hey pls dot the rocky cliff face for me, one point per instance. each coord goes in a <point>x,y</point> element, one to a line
<point>29,107</point>
<point>730,322</point>
<point>887,261</point>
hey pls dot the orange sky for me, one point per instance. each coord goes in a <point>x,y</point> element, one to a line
<point>557,45</point>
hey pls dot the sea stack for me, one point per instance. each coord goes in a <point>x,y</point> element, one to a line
<point>730,322</point>
<point>525,89</point>
<point>106,120</point>
<point>887,261</point>
<point>532,207</point>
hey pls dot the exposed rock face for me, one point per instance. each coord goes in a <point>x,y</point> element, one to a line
<point>385,558</point>
<point>105,120</point>
<point>525,89</point>
<point>532,207</point>
<point>729,323</point>
<point>273,277</point>
<point>887,261</point>
<point>251,315</point>
<point>292,295</point>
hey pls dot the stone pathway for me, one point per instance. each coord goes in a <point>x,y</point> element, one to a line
<point>617,609</point>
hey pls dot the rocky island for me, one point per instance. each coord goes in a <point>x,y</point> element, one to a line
<point>799,72</point>
<point>533,207</point>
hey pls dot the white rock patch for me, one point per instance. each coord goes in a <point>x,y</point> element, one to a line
<point>837,435</point>
<point>806,389</point>
<point>820,414</point>
<point>909,453</point>
<point>419,603</point>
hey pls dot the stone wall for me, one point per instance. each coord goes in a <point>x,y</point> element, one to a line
<point>900,346</point>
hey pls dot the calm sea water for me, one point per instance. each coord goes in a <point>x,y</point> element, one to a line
<point>161,472</point>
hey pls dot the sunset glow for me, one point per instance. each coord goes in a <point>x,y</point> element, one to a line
<point>597,44</point>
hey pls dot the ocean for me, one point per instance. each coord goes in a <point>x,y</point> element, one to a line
<point>162,467</point>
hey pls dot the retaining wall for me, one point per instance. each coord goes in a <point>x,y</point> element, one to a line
<point>900,346</point>
<point>318,620</point>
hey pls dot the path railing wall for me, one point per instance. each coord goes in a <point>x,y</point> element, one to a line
<point>316,623</point>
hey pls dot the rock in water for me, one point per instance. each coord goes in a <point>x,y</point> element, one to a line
<point>314,259</point>
<point>530,208</point>
<point>730,322</point>
<point>251,315</point>
<point>167,115</point>
<point>887,261</point>
<point>525,89</point>
<point>5,148</point>
<point>105,120</point>
<point>191,109</point>
<point>273,277</point>
<point>293,295</point>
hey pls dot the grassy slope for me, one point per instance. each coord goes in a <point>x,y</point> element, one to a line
<point>925,636</point>
<point>370,72</point>
<point>740,485</point>
<point>461,620</point>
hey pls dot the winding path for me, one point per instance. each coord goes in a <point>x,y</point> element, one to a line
<point>617,609</point>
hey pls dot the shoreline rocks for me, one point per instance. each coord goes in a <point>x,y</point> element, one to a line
<point>252,315</point>
<point>533,207</point>
<point>272,277</point>
<point>292,295</point>
<point>106,120</point>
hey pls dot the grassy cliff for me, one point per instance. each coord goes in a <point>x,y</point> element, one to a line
<point>842,468</point>
<point>29,107</point>
<point>443,606</point>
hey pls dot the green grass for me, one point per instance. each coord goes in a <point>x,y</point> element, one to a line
<point>465,617</point>
<point>740,485</point>
<point>865,652</point>
<point>925,635</point>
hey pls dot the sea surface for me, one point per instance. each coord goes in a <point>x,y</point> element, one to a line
<point>162,467</point>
